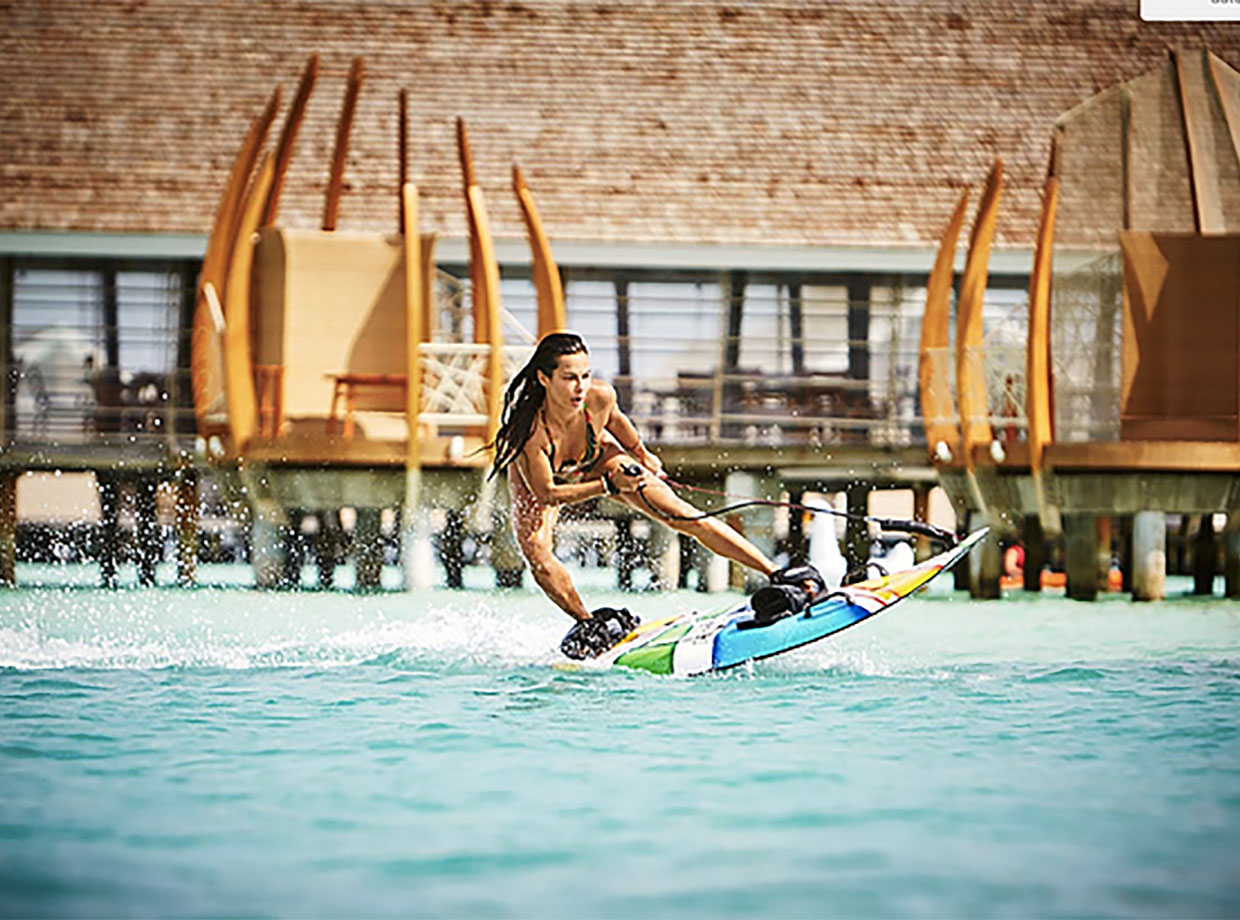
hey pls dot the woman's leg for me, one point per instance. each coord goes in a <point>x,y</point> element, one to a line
<point>534,524</point>
<point>658,502</point>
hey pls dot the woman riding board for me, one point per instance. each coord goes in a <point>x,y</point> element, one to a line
<point>564,440</point>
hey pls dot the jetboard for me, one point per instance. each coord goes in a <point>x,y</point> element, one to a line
<point>698,643</point>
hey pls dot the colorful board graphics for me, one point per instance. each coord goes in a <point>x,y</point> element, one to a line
<point>697,643</point>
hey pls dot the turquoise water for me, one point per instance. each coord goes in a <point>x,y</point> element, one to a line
<point>221,752</point>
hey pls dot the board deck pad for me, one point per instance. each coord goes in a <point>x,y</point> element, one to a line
<point>697,643</point>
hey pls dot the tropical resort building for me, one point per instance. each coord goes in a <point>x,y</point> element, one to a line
<point>261,263</point>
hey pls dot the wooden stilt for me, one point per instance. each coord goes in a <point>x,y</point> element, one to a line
<point>8,528</point>
<point>368,549</point>
<point>109,531</point>
<point>187,526</point>
<point>147,530</point>
<point>1081,556</point>
<point>1149,556</point>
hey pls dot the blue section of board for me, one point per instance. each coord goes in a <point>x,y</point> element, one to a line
<point>735,646</point>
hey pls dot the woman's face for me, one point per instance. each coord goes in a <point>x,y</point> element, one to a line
<point>566,386</point>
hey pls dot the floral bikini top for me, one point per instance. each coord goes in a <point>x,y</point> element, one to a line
<point>574,470</point>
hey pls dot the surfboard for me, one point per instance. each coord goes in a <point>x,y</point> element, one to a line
<point>698,643</point>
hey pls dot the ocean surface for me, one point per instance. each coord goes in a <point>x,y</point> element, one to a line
<point>220,751</point>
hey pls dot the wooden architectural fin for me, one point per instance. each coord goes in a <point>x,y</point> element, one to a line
<point>430,312</point>
<point>206,358</point>
<point>238,353</point>
<point>343,128</point>
<point>288,138</point>
<point>1038,353</point>
<point>484,277</point>
<point>487,311</point>
<point>970,362</point>
<point>402,151</point>
<point>477,277</point>
<point>545,273</point>
<point>1228,97</point>
<point>1203,167</point>
<point>933,373</point>
<point>415,316</point>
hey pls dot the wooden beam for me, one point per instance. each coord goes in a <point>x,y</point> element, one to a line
<point>1038,347</point>
<point>402,151</point>
<point>1228,98</point>
<point>546,274</point>
<point>343,128</point>
<point>477,277</point>
<point>488,299</point>
<point>238,356</point>
<point>970,371</point>
<point>288,138</point>
<point>1166,456</point>
<point>415,332</point>
<point>1199,139</point>
<point>933,378</point>
<point>206,359</point>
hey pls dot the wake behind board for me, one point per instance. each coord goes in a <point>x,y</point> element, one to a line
<point>697,643</point>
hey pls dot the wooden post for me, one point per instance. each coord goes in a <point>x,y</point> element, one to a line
<point>1149,556</point>
<point>544,272</point>
<point>798,545</point>
<point>1102,523</point>
<point>368,549</point>
<point>402,153</point>
<point>343,128</point>
<point>985,562</point>
<point>147,530</point>
<point>109,531</point>
<point>1081,556</point>
<point>626,553</point>
<point>933,376</point>
<point>922,550</point>
<point>417,556</point>
<point>1205,557</point>
<point>451,547</point>
<point>1035,552</point>
<point>8,528</point>
<point>1231,556</point>
<point>283,154</point>
<point>186,484</point>
<point>856,546</point>
<point>326,547</point>
<point>970,382</point>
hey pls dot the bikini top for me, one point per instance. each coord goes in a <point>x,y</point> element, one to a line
<point>574,468</point>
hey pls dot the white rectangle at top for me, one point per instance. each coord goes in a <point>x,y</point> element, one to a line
<point>1191,10</point>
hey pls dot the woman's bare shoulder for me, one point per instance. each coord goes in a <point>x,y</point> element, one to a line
<point>602,395</point>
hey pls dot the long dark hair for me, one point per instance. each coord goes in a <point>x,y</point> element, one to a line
<point>526,393</point>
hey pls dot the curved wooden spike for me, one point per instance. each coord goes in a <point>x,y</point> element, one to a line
<point>402,149</point>
<point>544,271</point>
<point>431,314</point>
<point>238,357</point>
<point>1038,353</point>
<point>1228,97</point>
<point>288,137</point>
<point>206,357</point>
<point>343,128</point>
<point>477,274</point>
<point>933,376</point>
<point>970,370</point>
<point>415,334</point>
<point>463,151</point>
<point>487,325</point>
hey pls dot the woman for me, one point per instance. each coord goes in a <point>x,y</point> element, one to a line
<point>563,440</point>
